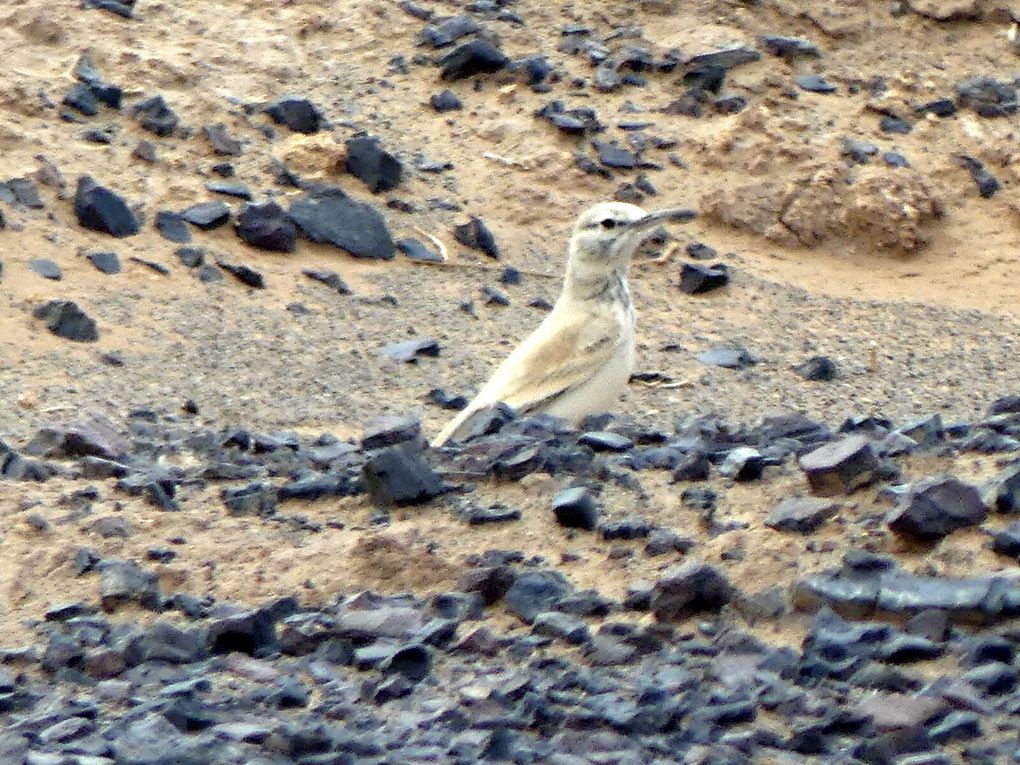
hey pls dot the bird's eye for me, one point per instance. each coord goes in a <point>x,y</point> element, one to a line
<point>608,223</point>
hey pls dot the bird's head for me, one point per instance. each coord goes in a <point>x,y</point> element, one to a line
<point>607,234</point>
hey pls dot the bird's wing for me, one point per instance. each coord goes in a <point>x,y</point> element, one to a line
<point>560,356</point>
<point>564,352</point>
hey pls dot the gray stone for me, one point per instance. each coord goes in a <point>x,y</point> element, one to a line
<point>801,514</point>
<point>935,507</point>
<point>123,582</point>
<point>688,589</point>
<point>329,216</point>
<point>840,467</point>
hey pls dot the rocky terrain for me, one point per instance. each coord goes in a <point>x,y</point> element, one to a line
<point>254,254</point>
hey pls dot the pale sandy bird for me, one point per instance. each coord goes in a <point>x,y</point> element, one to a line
<point>580,358</point>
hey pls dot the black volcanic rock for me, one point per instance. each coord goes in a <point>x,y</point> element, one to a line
<point>123,582</point>
<point>696,278</point>
<point>840,467</point>
<point>445,101</point>
<point>155,115</point>
<point>688,589</point>
<point>817,368</point>
<point>105,262</point>
<point>65,319</point>
<point>936,507</point>
<point>790,48</point>
<point>221,142</point>
<point>267,226</point>
<point>329,216</point>
<point>172,227</point>
<point>987,97</point>
<point>299,114</point>
<point>801,514</point>
<point>247,275</point>
<point>207,215</point>
<point>331,279</point>
<point>474,57</point>
<point>100,209</point>
<point>575,508</point>
<point>535,592</point>
<point>371,164</point>
<point>476,235</point>
<point>398,476</point>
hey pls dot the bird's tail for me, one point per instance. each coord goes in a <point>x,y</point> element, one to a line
<point>451,428</point>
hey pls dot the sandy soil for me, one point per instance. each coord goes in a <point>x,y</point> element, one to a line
<point>918,310</point>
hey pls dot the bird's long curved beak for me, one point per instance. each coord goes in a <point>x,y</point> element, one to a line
<point>676,215</point>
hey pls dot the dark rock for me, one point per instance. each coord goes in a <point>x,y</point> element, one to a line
<point>247,275</point>
<point>895,159</point>
<point>449,31</point>
<point>330,216</point>
<point>221,142</point>
<point>477,516</point>
<point>688,589</point>
<point>237,190</point>
<point>575,508</point>
<point>894,125</point>
<point>46,268</point>
<point>155,115</point>
<point>987,97</point>
<point>100,209</point>
<point>993,678</point>
<point>817,368</point>
<point>25,193</point>
<point>615,156</point>
<point>694,466</point>
<point>814,83</point>
<point>476,235</point>
<point>665,541</point>
<point>445,101</point>
<point>956,726</point>
<point>249,632</point>
<point>629,527</point>
<point>493,296</point>
<point>985,181</point>
<point>105,262</point>
<point>418,252</point>
<point>1007,541</point>
<point>801,514</point>
<point>368,162</point>
<point>535,592</point>
<point>566,627</point>
<point>331,279</point>
<point>172,227</point>
<point>936,507</point>
<point>298,114</point>
<point>605,441</point>
<point>790,48</point>
<point>207,215</point>
<point>145,151</point>
<point>82,99</point>
<point>840,467</point>
<point>65,319</point>
<point>266,226</point>
<point>857,150</point>
<point>123,582</point>
<point>253,499</point>
<point>389,431</point>
<point>742,464</point>
<point>474,57</point>
<point>696,278</point>
<point>191,257</point>
<point>396,476</point>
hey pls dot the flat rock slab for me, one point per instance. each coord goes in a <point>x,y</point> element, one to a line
<point>840,467</point>
<point>801,514</point>
<point>690,588</point>
<point>331,217</point>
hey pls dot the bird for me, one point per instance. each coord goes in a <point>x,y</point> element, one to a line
<point>579,359</point>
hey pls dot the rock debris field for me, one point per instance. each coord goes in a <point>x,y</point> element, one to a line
<point>253,255</point>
